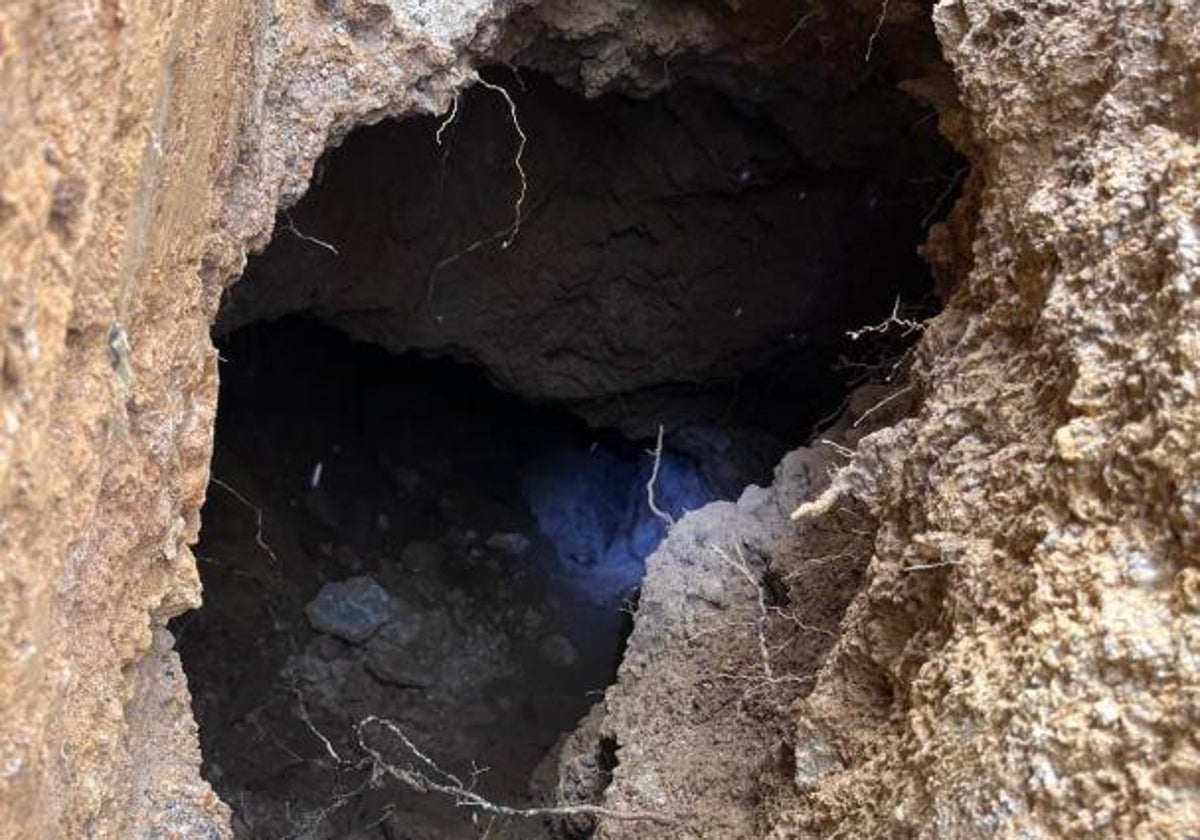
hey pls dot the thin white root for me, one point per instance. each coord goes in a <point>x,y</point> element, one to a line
<point>518,161</point>
<point>796,27</point>
<point>433,779</point>
<point>937,204</point>
<point>317,733</point>
<point>890,398</point>
<point>802,625</point>
<point>841,556</point>
<point>844,451</point>
<point>447,121</point>
<point>506,235</point>
<point>654,508</point>
<point>291,226</point>
<point>764,615</point>
<point>258,516</point>
<point>906,325</point>
<point>875,33</point>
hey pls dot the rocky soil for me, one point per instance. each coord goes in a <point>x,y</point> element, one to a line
<point>1021,659</point>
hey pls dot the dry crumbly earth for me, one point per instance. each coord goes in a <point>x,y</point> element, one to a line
<point>1024,660</point>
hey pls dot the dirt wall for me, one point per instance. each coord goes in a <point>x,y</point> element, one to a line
<point>143,147</point>
<point>1023,660</point>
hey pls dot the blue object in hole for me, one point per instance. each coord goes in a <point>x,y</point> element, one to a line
<point>591,503</point>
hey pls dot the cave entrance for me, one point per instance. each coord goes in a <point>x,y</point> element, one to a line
<point>430,489</point>
<point>392,536</point>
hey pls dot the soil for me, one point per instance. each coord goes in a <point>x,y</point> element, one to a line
<point>679,258</point>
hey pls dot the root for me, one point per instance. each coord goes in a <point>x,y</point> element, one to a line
<point>258,516</point>
<point>506,236</point>
<point>796,27</point>
<point>433,779</point>
<point>875,33</point>
<point>447,121</point>
<point>518,161</point>
<point>424,775</point>
<point>943,195</point>
<point>907,325</point>
<point>291,226</point>
<point>317,733</point>
<point>844,451</point>
<point>764,616</point>
<point>654,508</point>
<point>890,398</point>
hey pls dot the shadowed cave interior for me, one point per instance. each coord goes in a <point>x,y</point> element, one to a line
<point>429,500</point>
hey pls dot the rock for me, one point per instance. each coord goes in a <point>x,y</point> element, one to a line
<point>393,658</point>
<point>511,543</point>
<point>351,610</point>
<point>558,651</point>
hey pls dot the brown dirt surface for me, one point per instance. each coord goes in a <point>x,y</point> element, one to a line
<point>733,622</point>
<point>1023,660</point>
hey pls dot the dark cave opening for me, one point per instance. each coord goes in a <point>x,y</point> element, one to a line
<point>429,488</point>
<point>390,535</point>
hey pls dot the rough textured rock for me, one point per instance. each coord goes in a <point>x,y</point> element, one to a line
<point>351,610</point>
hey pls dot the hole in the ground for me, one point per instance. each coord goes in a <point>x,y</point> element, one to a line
<point>395,535</point>
<point>436,553</point>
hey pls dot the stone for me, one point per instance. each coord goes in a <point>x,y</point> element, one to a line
<point>404,652</point>
<point>351,610</point>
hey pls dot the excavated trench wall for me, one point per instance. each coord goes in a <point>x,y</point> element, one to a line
<point>1023,658</point>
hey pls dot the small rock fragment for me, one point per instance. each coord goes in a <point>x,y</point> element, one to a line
<point>393,658</point>
<point>352,609</point>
